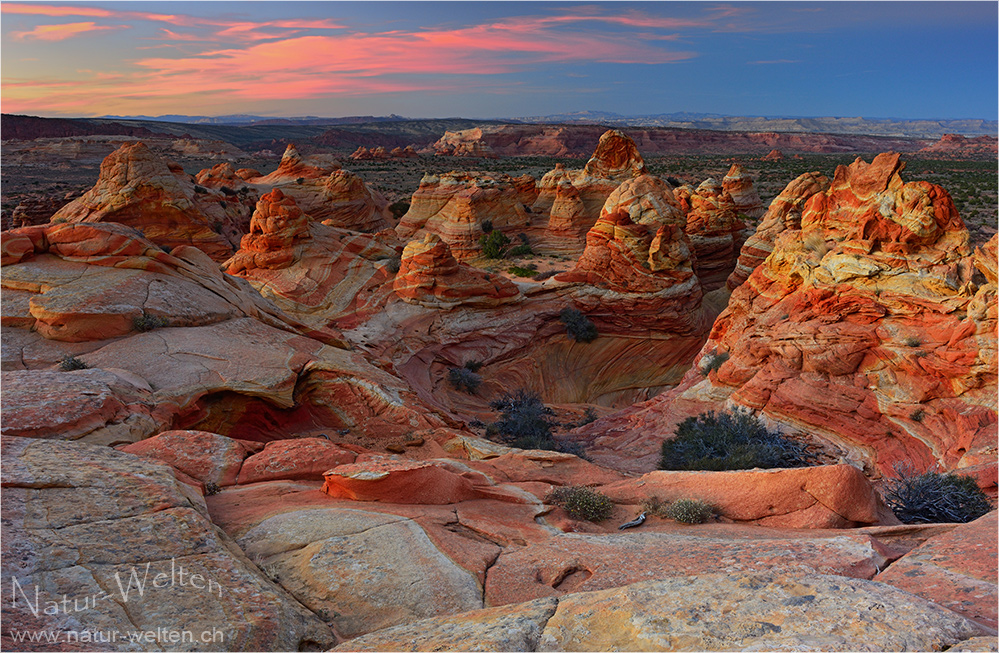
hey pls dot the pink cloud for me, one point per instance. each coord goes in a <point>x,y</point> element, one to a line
<point>61,32</point>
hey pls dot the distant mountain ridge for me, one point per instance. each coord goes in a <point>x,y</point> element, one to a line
<point>896,127</point>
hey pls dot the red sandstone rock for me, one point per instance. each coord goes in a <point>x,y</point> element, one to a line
<point>955,145</point>
<point>567,223</point>
<point>455,205</point>
<point>738,184</point>
<point>294,166</point>
<point>139,189</point>
<point>299,459</point>
<point>862,329</point>
<point>774,155</point>
<point>430,276</point>
<point>833,496</point>
<point>347,202</point>
<point>956,570</point>
<point>205,457</point>
<point>784,213</point>
<point>715,232</point>
<point>464,143</point>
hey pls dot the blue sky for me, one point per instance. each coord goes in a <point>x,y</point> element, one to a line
<point>501,59</point>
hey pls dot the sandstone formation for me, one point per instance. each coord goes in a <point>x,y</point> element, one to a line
<point>455,205</point>
<point>738,185</point>
<point>313,271</point>
<point>464,143</point>
<point>784,214</point>
<point>345,201</point>
<point>715,231</point>
<point>773,155</point>
<point>567,222</point>
<point>141,190</point>
<point>430,276</point>
<point>863,328</point>
<point>379,153</point>
<point>955,145</point>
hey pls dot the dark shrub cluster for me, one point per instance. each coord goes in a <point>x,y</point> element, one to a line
<point>464,379</point>
<point>934,497</point>
<point>147,322</point>
<point>493,244</point>
<point>71,363</point>
<point>581,502</point>
<point>578,326</point>
<point>730,441</point>
<point>526,423</point>
<point>399,208</point>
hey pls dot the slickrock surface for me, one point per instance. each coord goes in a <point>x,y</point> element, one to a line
<point>80,519</point>
<point>864,327</point>
<point>300,459</point>
<point>956,570</point>
<point>430,276</point>
<point>712,612</point>
<point>784,214</point>
<point>141,190</point>
<point>205,457</point>
<point>455,205</point>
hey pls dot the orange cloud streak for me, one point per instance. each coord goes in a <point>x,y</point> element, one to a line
<point>61,32</point>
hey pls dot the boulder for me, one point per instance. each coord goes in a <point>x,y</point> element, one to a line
<point>298,459</point>
<point>205,457</point>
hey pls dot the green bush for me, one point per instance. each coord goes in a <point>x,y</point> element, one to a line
<point>147,322</point>
<point>71,363</point>
<point>520,250</point>
<point>399,209</point>
<point>689,511</point>
<point>521,272</point>
<point>653,505</point>
<point>729,441</point>
<point>473,365</point>
<point>493,244</point>
<point>934,497</point>
<point>464,379</point>
<point>581,502</point>
<point>578,326</point>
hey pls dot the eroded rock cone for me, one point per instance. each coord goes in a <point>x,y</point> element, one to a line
<point>715,232</point>
<point>141,190</point>
<point>784,213</point>
<point>738,184</point>
<point>430,276</point>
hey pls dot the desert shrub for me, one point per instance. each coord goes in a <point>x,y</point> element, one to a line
<point>212,488</point>
<point>689,511</point>
<point>300,181</point>
<point>521,272</point>
<point>524,419</point>
<point>147,322</point>
<point>493,244</point>
<point>912,341</point>
<point>581,502</point>
<point>473,365</point>
<point>201,190</point>
<point>814,242</point>
<point>520,250</point>
<point>713,361</point>
<point>71,363</point>
<point>464,379</point>
<point>934,497</point>
<point>917,415</point>
<point>578,326</point>
<point>487,226</point>
<point>589,415</point>
<point>729,441</point>
<point>227,191</point>
<point>653,505</point>
<point>399,208</point>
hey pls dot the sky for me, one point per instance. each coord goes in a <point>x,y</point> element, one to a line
<point>934,60</point>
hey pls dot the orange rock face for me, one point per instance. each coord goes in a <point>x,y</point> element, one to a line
<point>454,206</point>
<point>784,213</point>
<point>430,276</point>
<point>348,203</point>
<point>294,166</point>
<point>139,189</point>
<point>864,328</point>
<point>567,222</point>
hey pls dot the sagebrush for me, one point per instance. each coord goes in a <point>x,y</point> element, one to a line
<point>581,502</point>
<point>578,327</point>
<point>730,441</point>
<point>689,511</point>
<point>934,497</point>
